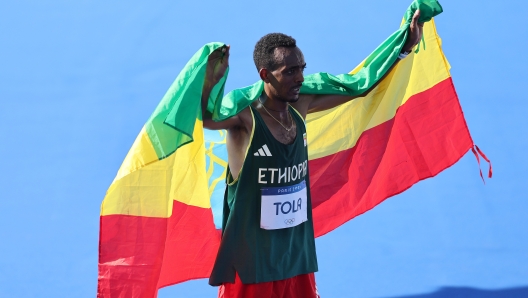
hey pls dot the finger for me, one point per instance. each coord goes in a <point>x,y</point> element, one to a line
<point>225,53</point>
<point>217,54</point>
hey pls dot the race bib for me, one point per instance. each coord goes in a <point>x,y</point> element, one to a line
<point>283,207</point>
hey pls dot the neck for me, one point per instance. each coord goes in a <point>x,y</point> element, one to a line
<point>273,104</point>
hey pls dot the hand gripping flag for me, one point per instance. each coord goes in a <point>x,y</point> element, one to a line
<point>160,217</point>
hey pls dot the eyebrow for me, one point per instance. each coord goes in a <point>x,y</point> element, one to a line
<point>297,66</point>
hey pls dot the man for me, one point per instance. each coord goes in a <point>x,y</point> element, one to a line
<point>268,246</point>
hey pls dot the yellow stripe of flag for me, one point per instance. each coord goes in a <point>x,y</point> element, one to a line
<point>151,188</point>
<point>338,129</point>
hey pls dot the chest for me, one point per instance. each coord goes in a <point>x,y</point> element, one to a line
<point>279,132</point>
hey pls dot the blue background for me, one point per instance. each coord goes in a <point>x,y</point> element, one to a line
<point>78,79</point>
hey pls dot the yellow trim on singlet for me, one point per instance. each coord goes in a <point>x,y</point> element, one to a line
<point>304,120</point>
<point>247,150</point>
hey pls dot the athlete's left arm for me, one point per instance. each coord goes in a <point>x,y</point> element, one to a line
<point>315,103</point>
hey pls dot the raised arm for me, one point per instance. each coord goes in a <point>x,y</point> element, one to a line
<point>316,103</point>
<point>216,67</point>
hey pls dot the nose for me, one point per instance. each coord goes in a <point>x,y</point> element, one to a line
<point>299,78</point>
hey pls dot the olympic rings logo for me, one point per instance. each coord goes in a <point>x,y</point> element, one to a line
<point>289,221</point>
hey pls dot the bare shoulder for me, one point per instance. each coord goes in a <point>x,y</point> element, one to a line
<point>244,124</point>
<point>303,104</point>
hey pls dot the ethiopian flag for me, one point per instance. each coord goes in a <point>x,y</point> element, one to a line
<point>160,218</point>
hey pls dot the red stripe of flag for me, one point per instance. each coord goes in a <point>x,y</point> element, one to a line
<point>138,255</point>
<point>427,135</point>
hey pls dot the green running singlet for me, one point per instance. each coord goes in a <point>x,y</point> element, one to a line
<point>276,175</point>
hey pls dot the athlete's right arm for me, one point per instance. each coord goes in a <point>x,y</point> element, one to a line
<point>227,124</point>
<point>216,67</point>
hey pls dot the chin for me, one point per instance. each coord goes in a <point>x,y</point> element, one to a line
<point>292,99</point>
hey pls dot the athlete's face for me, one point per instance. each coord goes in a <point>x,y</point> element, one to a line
<point>284,83</point>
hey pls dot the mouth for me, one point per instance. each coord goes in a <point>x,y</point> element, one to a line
<point>296,89</point>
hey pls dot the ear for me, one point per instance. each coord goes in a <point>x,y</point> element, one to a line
<point>263,73</point>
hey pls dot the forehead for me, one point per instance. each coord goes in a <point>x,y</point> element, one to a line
<point>288,57</point>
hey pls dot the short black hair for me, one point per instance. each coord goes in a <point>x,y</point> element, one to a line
<point>263,55</point>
